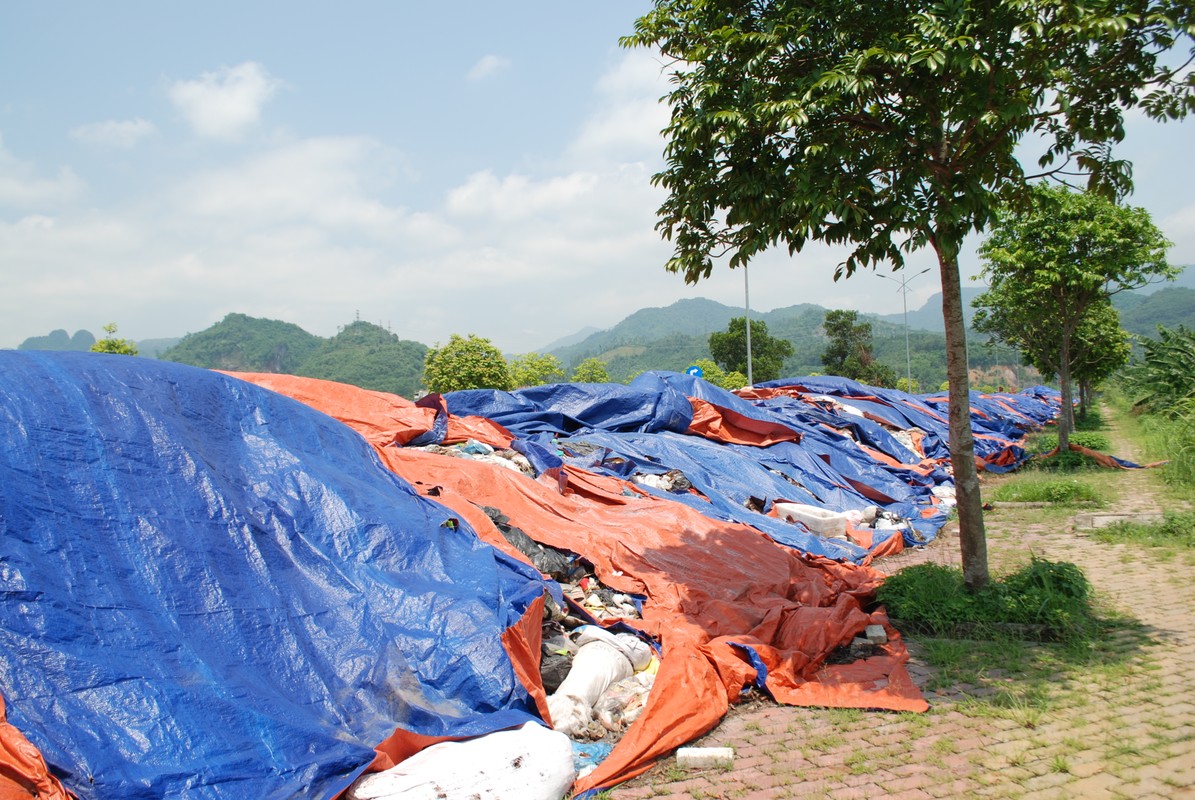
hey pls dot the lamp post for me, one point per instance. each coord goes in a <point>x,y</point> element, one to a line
<point>904,298</point>
<point>747,307</point>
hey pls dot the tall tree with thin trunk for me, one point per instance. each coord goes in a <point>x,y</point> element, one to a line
<point>1054,262</point>
<point>888,126</point>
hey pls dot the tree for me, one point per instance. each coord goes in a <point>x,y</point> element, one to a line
<point>591,370</point>
<point>712,373</point>
<point>535,369</point>
<point>848,353</point>
<point>729,349</point>
<point>905,385</point>
<point>888,126</point>
<point>110,344</point>
<point>465,363</point>
<point>1101,348</point>
<point>1050,262</point>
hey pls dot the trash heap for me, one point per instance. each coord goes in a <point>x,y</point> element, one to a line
<point>270,586</point>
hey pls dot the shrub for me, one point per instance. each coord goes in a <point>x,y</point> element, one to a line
<point>1046,442</point>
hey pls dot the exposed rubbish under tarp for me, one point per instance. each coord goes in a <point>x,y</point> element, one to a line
<point>213,589</point>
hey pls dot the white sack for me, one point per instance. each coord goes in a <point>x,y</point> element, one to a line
<point>528,763</point>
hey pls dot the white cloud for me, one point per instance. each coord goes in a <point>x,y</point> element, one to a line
<point>112,133</point>
<point>1179,228</point>
<point>518,196</point>
<point>227,103</point>
<point>22,188</point>
<point>332,182</point>
<point>487,67</point>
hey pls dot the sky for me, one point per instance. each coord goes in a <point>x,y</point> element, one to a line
<point>457,168</point>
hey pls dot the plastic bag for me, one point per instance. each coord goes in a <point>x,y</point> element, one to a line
<point>528,763</point>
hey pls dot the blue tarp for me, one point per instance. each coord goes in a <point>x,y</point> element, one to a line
<point>211,590</point>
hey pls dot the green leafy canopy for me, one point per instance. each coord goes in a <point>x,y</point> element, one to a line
<point>729,349</point>
<point>470,362</point>
<point>886,126</point>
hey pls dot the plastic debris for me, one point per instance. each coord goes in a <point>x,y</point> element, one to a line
<point>528,763</point>
<point>705,757</point>
<point>603,659</point>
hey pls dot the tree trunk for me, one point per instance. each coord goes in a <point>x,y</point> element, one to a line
<point>972,538</point>
<point>1066,419</point>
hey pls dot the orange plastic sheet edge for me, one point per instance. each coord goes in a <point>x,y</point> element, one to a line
<point>1102,459</point>
<point>23,772</point>
<point>380,417</point>
<point>724,425</point>
<point>707,583</point>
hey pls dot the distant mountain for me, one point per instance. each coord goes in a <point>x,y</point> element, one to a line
<point>362,354</point>
<point>929,316</point>
<point>670,338</point>
<point>59,340</point>
<point>673,337</point>
<point>241,343</point>
<point>1143,313</point>
<point>153,348</point>
<point>566,341</point>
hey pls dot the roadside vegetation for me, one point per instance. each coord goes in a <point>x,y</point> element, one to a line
<point>1059,490</point>
<point>1041,601</point>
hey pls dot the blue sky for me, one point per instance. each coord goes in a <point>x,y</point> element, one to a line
<point>473,167</point>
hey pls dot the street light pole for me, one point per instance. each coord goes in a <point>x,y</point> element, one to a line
<point>747,306</point>
<point>904,297</point>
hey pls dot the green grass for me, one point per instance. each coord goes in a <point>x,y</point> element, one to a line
<point>1061,491</point>
<point>1175,532</point>
<point>1041,600</point>
<point>1045,442</point>
<point>1164,437</point>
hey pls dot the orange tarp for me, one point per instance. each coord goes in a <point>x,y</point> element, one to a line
<point>23,772</point>
<point>707,584</point>
<point>724,425</point>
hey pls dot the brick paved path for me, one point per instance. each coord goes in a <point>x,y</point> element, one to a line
<point>1122,729</point>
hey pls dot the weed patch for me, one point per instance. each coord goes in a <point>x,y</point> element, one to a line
<point>1043,600</point>
<point>1176,531</point>
<point>1061,491</point>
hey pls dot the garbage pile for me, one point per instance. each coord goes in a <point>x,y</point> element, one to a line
<point>214,589</point>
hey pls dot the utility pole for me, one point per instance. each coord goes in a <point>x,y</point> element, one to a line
<point>904,297</point>
<point>747,305</point>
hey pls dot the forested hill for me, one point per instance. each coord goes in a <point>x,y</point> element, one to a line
<point>362,353</point>
<point>1143,313</point>
<point>675,336</point>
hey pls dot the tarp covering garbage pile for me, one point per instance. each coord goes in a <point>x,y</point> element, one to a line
<point>232,588</point>
<point>212,590</point>
<point>729,608</point>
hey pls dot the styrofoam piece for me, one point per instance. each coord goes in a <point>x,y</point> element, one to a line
<point>705,757</point>
<point>527,763</point>
<point>819,520</point>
